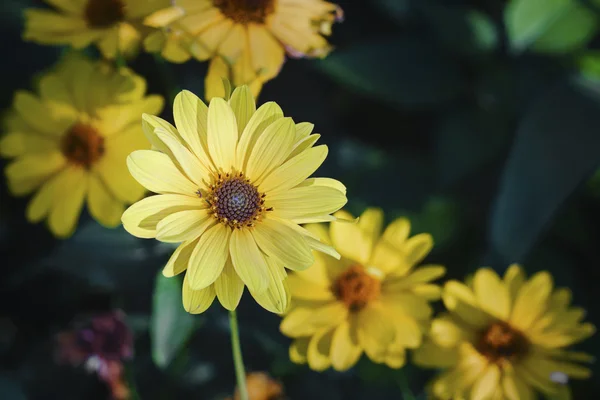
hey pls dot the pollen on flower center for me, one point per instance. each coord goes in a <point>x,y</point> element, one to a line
<point>244,11</point>
<point>82,145</point>
<point>501,341</point>
<point>235,201</point>
<point>355,288</point>
<point>104,13</point>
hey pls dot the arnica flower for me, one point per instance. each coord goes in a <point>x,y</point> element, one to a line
<point>101,344</point>
<point>505,338</point>
<point>261,386</point>
<point>114,25</point>
<point>373,299</point>
<point>232,188</point>
<point>70,143</point>
<point>247,40</point>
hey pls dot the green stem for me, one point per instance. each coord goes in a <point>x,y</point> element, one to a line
<point>407,394</point>
<point>238,361</point>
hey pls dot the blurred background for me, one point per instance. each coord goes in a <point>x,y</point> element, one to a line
<point>479,120</point>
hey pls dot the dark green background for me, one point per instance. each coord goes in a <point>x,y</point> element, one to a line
<point>480,120</point>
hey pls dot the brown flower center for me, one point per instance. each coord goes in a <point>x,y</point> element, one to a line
<point>501,341</point>
<point>355,288</point>
<point>244,11</point>
<point>104,13</point>
<point>83,145</point>
<point>235,201</point>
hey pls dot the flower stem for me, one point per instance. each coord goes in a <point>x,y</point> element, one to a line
<point>238,361</point>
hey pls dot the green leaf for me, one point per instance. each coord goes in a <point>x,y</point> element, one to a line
<point>403,71</point>
<point>170,326</point>
<point>589,64</point>
<point>549,26</point>
<point>555,150</point>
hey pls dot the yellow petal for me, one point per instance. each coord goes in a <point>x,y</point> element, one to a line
<point>491,293</point>
<point>232,45</point>
<point>308,290</point>
<point>222,133</point>
<point>103,206</point>
<point>417,247</point>
<point>276,298</point>
<point>191,117</point>
<point>486,384</point>
<point>229,287</point>
<point>264,116</point>
<point>149,125</point>
<point>142,217</point>
<point>243,106</point>
<point>446,332</point>
<point>284,244</point>
<point>460,300</point>
<point>157,173</point>
<point>514,277</point>
<point>306,202</point>
<point>268,54</point>
<point>248,261</point>
<point>299,350</point>
<point>371,223</point>
<point>408,333</point>
<point>164,16</point>
<point>71,7</point>
<point>307,321</point>
<point>271,149</point>
<point>183,225</point>
<point>179,260</point>
<point>28,172</point>
<point>303,145</point>
<point>375,332</point>
<point>431,355</point>
<point>397,232</point>
<point>345,349</point>
<point>407,303</point>
<point>196,301</point>
<point>66,208</point>
<point>195,170</point>
<point>41,203</point>
<point>318,272</point>
<point>349,240</point>
<point>294,171</point>
<point>218,69</point>
<point>395,357</point>
<point>422,274</point>
<point>514,387</point>
<point>531,301</point>
<point>319,348</point>
<point>209,257</point>
<point>16,144</point>
<point>303,129</point>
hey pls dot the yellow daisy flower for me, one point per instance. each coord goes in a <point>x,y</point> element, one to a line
<point>505,338</point>
<point>71,142</point>
<point>114,25</point>
<point>246,40</point>
<point>232,188</point>
<point>373,299</point>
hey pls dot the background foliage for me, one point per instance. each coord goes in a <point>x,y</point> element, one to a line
<point>477,119</point>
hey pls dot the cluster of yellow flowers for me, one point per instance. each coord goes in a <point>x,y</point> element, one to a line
<point>232,184</point>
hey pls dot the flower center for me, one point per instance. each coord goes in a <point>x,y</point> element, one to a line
<point>244,11</point>
<point>235,201</point>
<point>83,145</point>
<point>501,341</point>
<point>104,13</point>
<point>356,288</point>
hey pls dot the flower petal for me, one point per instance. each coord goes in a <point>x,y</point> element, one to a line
<point>248,261</point>
<point>264,116</point>
<point>345,348</point>
<point>183,225</point>
<point>142,217</point>
<point>491,293</point>
<point>103,206</point>
<point>28,172</point>
<point>461,302</point>
<point>371,223</point>
<point>299,350</point>
<point>208,258</point>
<point>243,106</point>
<point>294,171</point>
<point>66,208</point>
<point>514,277</point>
<point>38,115</point>
<point>179,260</point>
<point>531,300</point>
<point>397,232</point>
<point>319,348</point>
<point>271,149</point>
<point>229,287</point>
<point>276,298</point>
<point>307,321</point>
<point>196,301</point>
<point>283,243</point>
<point>308,290</point>
<point>375,331</point>
<point>222,133</point>
<point>431,355</point>
<point>349,240</point>
<point>191,117</point>
<point>486,384</point>
<point>306,202</point>
<point>157,173</point>
<point>268,54</point>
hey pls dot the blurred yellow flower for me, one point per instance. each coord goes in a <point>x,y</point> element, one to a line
<point>505,338</point>
<point>246,40</point>
<point>232,187</point>
<point>373,299</point>
<point>114,25</point>
<point>261,386</point>
<point>71,142</point>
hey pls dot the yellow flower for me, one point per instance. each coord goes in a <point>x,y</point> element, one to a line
<point>246,40</point>
<point>71,142</point>
<point>114,25</point>
<point>373,299</point>
<point>505,338</point>
<point>232,187</point>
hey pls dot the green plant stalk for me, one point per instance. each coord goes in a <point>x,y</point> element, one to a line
<point>238,361</point>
